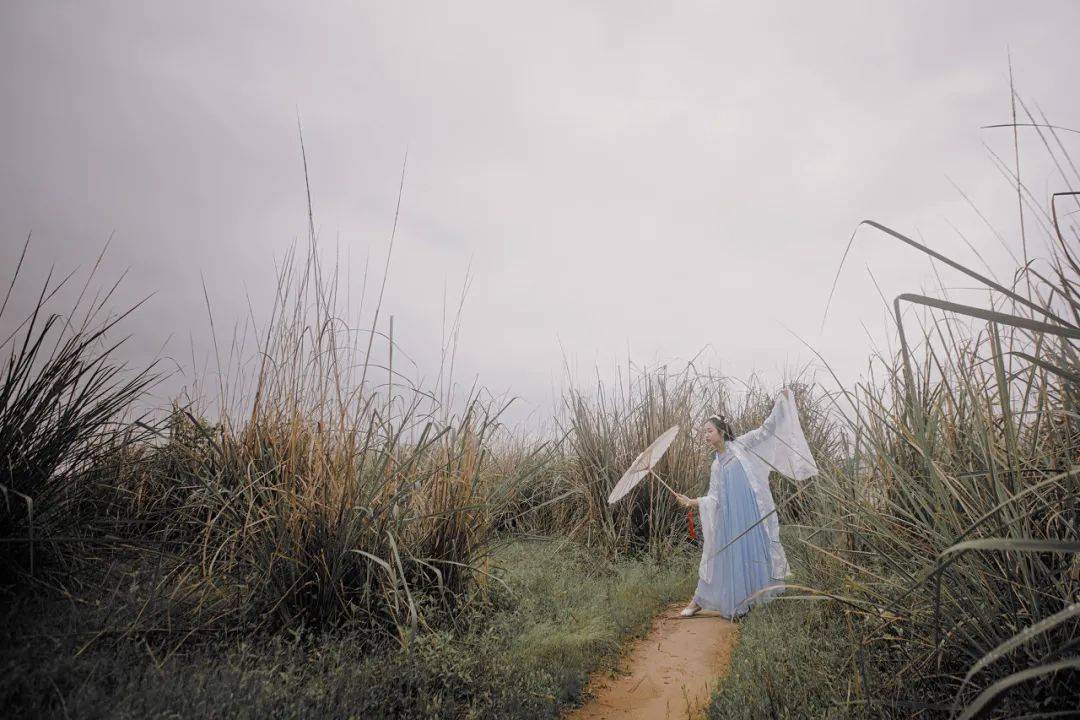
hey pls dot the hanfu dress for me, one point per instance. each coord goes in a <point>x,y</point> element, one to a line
<point>740,555</point>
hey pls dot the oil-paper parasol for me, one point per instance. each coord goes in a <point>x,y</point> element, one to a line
<point>643,465</point>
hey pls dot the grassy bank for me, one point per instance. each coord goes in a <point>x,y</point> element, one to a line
<point>563,613</point>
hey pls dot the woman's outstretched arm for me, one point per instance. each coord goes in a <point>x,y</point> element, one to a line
<point>780,441</point>
<point>767,429</point>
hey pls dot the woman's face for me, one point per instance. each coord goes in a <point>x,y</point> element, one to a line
<point>712,435</point>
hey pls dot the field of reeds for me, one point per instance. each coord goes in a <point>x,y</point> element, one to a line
<point>300,539</point>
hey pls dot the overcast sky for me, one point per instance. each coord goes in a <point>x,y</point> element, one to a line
<point>651,178</point>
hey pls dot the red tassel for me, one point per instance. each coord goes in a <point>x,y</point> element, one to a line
<point>690,522</point>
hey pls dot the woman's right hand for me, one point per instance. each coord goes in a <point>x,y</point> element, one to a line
<point>685,501</point>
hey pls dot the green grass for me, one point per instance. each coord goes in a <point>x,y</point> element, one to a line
<point>566,614</point>
<point>791,662</point>
<point>793,658</point>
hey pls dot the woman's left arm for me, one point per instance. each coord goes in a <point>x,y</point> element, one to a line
<point>758,435</point>
<point>780,441</point>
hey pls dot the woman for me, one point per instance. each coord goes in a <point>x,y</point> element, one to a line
<point>741,553</point>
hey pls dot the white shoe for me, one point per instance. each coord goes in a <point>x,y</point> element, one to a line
<point>690,610</point>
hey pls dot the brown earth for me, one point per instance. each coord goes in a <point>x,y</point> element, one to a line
<point>671,673</point>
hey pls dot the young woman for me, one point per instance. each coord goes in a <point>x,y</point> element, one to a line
<point>741,553</point>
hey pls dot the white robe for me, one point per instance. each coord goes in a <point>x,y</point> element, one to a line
<point>779,444</point>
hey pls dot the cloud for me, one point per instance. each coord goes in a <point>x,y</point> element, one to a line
<point>618,175</point>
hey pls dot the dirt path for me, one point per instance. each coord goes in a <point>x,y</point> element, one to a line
<point>672,671</point>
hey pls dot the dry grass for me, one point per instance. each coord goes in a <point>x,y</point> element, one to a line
<point>957,520</point>
<point>316,499</point>
<point>606,428</point>
<point>63,397</point>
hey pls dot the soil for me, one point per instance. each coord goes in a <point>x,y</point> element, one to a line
<point>670,673</point>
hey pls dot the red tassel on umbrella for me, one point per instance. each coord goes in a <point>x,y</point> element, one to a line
<point>690,522</point>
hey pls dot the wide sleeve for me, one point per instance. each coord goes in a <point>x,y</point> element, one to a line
<point>780,441</point>
<point>707,511</point>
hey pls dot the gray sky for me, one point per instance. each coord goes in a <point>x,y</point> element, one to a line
<point>621,175</point>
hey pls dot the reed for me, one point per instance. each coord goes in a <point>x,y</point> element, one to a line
<point>318,499</point>
<point>607,427</point>
<point>945,521</point>
<point>63,399</point>
<point>957,519</point>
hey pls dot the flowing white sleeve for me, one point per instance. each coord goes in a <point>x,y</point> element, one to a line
<point>780,441</point>
<point>707,507</point>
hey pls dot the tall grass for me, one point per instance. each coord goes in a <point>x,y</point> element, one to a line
<point>945,521</point>
<point>316,498</point>
<point>63,395</point>
<point>607,428</point>
<point>958,521</point>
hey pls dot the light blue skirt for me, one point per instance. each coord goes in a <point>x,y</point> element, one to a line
<point>743,567</point>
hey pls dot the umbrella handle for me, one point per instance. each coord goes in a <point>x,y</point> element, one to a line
<point>663,483</point>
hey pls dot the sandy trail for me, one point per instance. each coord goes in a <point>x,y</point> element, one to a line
<point>672,671</point>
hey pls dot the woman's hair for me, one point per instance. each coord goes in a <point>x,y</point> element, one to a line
<point>722,426</point>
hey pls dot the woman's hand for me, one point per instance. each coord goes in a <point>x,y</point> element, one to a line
<point>686,501</point>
